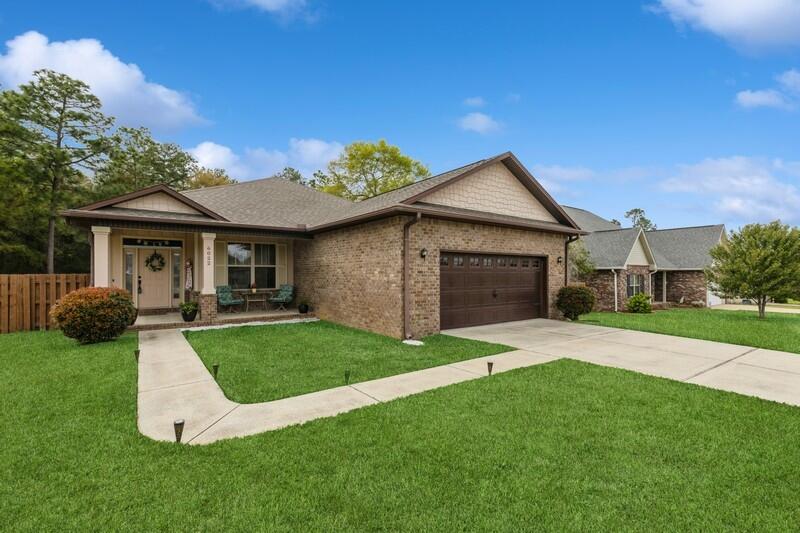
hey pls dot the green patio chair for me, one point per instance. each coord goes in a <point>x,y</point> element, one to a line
<point>283,297</point>
<point>226,298</point>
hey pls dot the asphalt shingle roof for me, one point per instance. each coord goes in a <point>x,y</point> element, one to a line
<point>684,248</point>
<point>588,221</point>
<point>610,249</point>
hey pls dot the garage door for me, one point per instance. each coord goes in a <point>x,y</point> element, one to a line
<point>485,289</point>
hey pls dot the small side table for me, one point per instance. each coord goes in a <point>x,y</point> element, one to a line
<point>255,297</point>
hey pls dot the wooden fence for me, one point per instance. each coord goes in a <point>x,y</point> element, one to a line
<point>25,299</point>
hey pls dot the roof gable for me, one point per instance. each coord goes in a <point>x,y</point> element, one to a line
<point>640,253</point>
<point>492,189</point>
<point>158,198</point>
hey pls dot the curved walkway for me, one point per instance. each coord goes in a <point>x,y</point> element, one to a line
<point>174,384</point>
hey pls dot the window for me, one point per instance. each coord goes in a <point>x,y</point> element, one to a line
<point>474,261</point>
<point>176,276</point>
<point>635,284</point>
<point>526,263</point>
<point>458,261</point>
<point>129,271</point>
<point>487,262</point>
<point>250,263</point>
<point>501,261</point>
<point>512,262</point>
<point>443,260</point>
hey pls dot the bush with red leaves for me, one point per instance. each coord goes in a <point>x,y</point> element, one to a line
<point>94,314</point>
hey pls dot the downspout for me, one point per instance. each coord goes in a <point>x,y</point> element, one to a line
<point>616,305</point>
<point>407,333</point>
<point>652,288</point>
<point>566,258</point>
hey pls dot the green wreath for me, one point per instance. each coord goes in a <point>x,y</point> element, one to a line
<point>155,262</point>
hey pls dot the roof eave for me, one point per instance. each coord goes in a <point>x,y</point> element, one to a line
<point>160,187</point>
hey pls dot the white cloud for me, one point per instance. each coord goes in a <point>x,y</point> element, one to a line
<point>763,98</point>
<point>122,87</point>
<point>284,9</point>
<point>478,122</point>
<point>306,155</point>
<point>749,24</point>
<point>474,101</point>
<point>784,98</point>
<point>743,188</point>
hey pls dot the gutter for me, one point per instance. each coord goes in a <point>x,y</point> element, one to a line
<point>407,333</point>
<point>570,239</point>
<point>616,297</point>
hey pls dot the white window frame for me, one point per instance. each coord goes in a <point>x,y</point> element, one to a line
<point>253,264</point>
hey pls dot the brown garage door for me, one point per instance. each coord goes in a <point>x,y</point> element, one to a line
<point>485,289</point>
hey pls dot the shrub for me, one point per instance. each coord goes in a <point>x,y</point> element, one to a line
<point>575,301</point>
<point>189,307</point>
<point>94,314</point>
<point>639,303</point>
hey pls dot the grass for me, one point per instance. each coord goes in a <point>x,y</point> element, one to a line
<point>778,331</point>
<point>565,446</point>
<point>261,363</point>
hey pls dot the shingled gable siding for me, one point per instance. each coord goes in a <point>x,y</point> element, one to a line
<point>435,235</point>
<point>354,275</point>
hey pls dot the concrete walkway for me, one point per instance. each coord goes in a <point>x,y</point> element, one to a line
<point>771,308</point>
<point>767,374</point>
<point>174,384</point>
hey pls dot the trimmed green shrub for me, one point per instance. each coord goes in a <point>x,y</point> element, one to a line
<point>639,303</point>
<point>94,314</point>
<point>574,301</point>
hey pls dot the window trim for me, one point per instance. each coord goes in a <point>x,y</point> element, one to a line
<point>632,289</point>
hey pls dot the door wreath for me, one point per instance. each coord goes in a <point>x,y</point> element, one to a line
<point>155,262</point>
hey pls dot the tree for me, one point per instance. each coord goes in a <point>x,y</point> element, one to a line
<point>615,221</point>
<point>638,219</point>
<point>291,174</point>
<point>209,177</point>
<point>64,131</point>
<point>580,263</point>
<point>365,169</point>
<point>136,161</point>
<point>759,262</point>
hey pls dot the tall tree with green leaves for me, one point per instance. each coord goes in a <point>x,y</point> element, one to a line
<point>209,177</point>
<point>580,262</point>
<point>136,161</point>
<point>759,262</point>
<point>639,220</point>
<point>291,174</point>
<point>65,132</point>
<point>365,169</point>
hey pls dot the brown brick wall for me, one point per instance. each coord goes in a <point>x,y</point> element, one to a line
<point>689,285</point>
<point>353,275</point>
<point>602,281</point>
<point>436,235</point>
<point>208,307</point>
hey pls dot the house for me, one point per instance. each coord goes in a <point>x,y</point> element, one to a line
<point>479,244</point>
<point>665,264</point>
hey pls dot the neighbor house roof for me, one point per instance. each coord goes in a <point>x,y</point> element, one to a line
<point>589,221</point>
<point>610,249</point>
<point>684,248</point>
<point>276,203</point>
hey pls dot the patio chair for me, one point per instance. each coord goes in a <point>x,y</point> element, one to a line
<point>283,297</point>
<point>226,298</point>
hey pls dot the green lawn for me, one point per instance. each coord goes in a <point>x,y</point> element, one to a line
<point>261,363</point>
<point>566,446</point>
<point>778,331</point>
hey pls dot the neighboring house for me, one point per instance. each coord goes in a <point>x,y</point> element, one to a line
<point>666,264</point>
<point>480,244</point>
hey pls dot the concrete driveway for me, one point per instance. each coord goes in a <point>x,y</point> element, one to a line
<point>767,374</point>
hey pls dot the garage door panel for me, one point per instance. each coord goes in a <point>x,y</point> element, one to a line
<point>483,289</point>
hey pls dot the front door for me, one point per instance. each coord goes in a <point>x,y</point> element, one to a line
<point>153,285</point>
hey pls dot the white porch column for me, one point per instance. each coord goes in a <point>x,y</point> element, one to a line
<point>101,256</point>
<point>208,264</point>
<point>664,286</point>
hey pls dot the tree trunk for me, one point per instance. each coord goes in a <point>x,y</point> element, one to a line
<point>51,244</point>
<point>762,306</point>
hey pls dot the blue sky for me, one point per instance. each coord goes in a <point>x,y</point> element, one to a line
<point>686,108</point>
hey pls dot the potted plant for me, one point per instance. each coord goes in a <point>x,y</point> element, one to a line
<point>303,307</point>
<point>189,311</point>
<point>253,288</point>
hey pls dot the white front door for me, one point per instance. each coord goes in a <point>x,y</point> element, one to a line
<point>154,285</point>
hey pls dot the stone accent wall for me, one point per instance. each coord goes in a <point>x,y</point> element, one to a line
<point>602,281</point>
<point>493,189</point>
<point>689,284</point>
<point>208,307</point>
<point>435,235</point>
<point>353,275</point>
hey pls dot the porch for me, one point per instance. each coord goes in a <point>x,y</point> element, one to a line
<point>172,320</point>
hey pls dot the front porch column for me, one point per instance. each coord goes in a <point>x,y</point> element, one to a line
<point>664,286</point>
<point>101,256</point>
<point>208,293</point>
